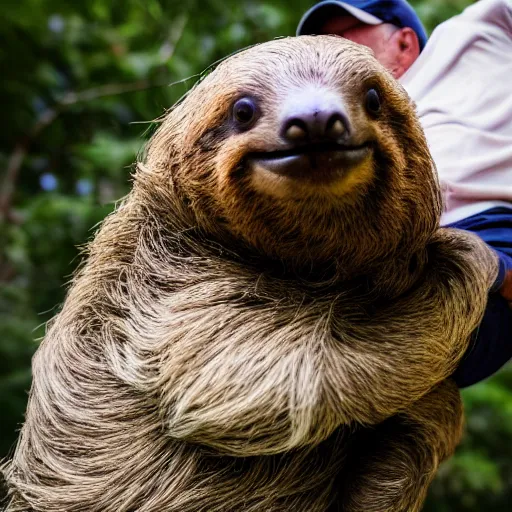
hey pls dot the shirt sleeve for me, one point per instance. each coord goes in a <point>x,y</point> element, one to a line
<point>491,344</point>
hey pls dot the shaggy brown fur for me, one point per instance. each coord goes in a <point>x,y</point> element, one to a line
<point>234,344</point>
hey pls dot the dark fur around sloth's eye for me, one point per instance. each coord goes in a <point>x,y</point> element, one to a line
<point>245,112</point>
<point>373,103</point>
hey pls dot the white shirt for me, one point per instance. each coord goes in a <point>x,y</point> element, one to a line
<point>462,86</point>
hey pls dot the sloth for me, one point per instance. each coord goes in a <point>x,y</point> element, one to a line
<point>270,319</point>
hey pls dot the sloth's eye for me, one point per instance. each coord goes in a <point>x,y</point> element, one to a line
<point>373,104</point>
<point>245,112</point>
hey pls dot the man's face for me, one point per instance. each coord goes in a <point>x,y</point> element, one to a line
<point>379,38</point>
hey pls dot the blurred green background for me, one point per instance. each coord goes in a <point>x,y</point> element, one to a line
<point>80,83</point>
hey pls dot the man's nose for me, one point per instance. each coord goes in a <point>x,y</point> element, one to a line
<point>319,117</point>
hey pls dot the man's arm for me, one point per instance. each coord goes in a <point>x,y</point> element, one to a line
<point>491,346</point>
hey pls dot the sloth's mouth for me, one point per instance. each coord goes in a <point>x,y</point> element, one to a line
<point>322,162</point>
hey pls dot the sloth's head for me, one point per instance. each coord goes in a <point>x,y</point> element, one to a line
<point>306,150</point>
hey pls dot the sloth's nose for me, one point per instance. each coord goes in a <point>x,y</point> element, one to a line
<point>315,122</point>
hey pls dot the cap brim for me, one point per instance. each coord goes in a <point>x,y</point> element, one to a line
<point>313,19</point>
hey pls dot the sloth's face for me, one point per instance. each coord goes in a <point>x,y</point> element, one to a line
<point>306,119</point>
<point>323,142</point>
<point>304,141</point>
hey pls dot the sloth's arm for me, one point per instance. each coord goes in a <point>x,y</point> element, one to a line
<point>249,379</point>
<point>391,360</point>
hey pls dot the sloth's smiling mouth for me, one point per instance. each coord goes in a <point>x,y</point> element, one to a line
<point>316,163</point>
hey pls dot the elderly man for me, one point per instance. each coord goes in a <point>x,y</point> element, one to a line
<point>460,80</point>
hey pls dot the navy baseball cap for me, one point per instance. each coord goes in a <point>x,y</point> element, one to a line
<point>371,12</point>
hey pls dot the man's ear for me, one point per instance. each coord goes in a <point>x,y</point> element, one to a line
<point>409,47</point>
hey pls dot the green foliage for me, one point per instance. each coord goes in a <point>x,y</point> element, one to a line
<point>78,78</point>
